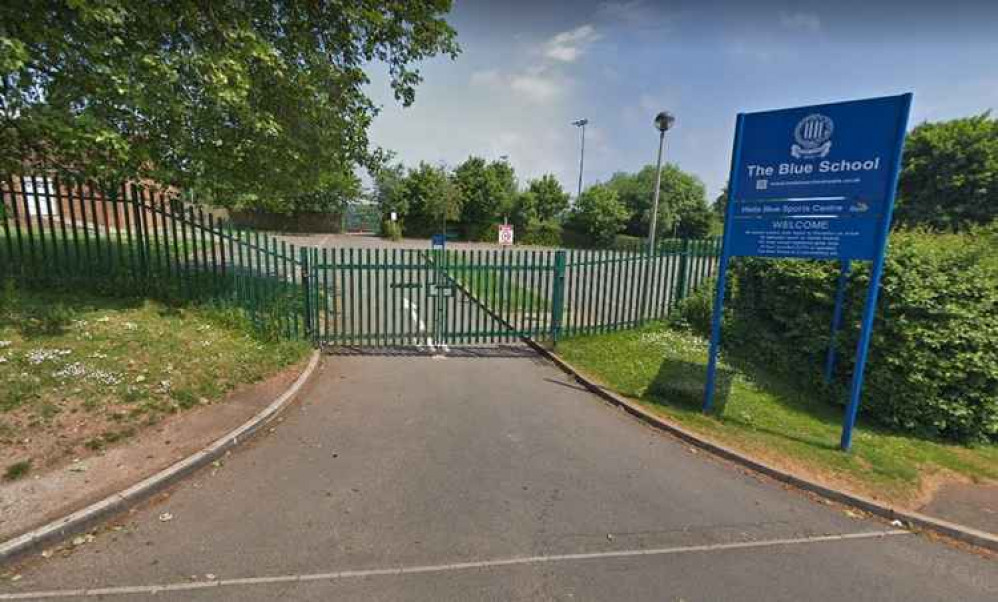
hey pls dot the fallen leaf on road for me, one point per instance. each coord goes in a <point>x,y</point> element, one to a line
<point>166,516</point>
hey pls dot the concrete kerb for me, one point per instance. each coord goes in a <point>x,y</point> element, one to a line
<point>84,519</point>
<point>955,531</point>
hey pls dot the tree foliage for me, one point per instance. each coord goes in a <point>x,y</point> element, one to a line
<point>388,190</point>
<point>537,210</point>
<point>432,200</point>
<point>682,198</point>
<point>255,99</point>
<point>487,191</point>
<point>950,175</point>
<point>550,199</point>
<point>600,215</point>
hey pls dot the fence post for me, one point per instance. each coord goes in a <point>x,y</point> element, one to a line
<point>684,266</point>
<point>557,296</point>
<point>140,239</point>
<point>306,296</point>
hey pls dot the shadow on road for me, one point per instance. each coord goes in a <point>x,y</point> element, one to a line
<point>492,351</point>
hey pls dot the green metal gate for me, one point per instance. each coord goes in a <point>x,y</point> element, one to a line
<point>405,297</point>
<point>414,297</point>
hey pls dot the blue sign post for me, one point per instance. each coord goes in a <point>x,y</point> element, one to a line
<point>814,182</point>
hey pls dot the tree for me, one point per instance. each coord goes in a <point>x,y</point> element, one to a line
<point>487,192</point>
<point>388,182</point>
<point>682,197</point>
<point>337,190</point>
<point>550,199</point>
<point>432,200</point>
<point>949,178</point>
<point>696,221</point>
<point>600,215</point>
<point>243,101</point>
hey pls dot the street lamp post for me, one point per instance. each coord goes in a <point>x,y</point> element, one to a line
<point>663,121</point>
<point>581,123</point>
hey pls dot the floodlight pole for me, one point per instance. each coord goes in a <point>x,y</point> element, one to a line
<point>581,123</point>
<point>663,121</point>
<point>658,186</point>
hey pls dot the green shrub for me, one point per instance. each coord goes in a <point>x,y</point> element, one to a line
<point>545,233</point>
<point>933,363</point>
<point>696,310</point>
<point>391,230</point>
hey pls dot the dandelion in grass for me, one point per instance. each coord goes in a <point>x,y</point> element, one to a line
<point>105,377</point>
<point>38,356</point>
<point>74,370</point>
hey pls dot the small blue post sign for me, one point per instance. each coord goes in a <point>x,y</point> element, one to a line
<point>814,182</point>
<point>438,241</point>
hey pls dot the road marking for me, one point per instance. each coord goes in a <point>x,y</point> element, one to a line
<point>442,568</point>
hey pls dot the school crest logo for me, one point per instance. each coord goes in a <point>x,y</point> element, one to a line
<point>813,137</point>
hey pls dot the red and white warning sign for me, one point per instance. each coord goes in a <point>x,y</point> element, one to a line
<point>505,234</point>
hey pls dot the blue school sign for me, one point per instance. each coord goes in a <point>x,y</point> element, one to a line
<point>814,182</point>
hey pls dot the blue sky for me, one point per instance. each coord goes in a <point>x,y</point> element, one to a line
<point>530,68</point>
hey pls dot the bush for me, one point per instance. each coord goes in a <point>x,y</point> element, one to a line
<point>933,363</point>
<point>391,230</point>
<point>544,233</point>
<point>696,310</point>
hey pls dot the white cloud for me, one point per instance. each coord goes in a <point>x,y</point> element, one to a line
<point>803,22</point>
<point>535,85</point>
<point>568,46</point>
<point>535,88</point>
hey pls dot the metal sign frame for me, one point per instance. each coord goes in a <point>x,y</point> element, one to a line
<point>812,134</point>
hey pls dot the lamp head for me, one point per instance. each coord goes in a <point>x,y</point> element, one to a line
<point>580,122</point>
<point>664,121</point>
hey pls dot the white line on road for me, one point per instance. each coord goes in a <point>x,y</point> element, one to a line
<point>441,568</point>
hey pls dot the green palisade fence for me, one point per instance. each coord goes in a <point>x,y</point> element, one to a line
<point>134,241</point>
<point>131,240</point>
<point>405,297</point>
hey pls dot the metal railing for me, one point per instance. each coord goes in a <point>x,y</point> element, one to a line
<point>134,241</point>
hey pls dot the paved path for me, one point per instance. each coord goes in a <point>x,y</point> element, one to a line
<point>492,478</point>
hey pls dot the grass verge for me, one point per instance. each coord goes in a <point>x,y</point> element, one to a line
<point>83,372</point>
<point>770,418</point>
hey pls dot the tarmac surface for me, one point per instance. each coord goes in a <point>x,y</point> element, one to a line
<point>488,475</point>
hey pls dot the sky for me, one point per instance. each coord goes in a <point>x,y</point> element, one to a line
<point>528,69</point>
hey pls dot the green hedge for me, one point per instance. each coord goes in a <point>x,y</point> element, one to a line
<point>933,364</point>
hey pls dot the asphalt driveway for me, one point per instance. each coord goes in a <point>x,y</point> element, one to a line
<point>487,475</point>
